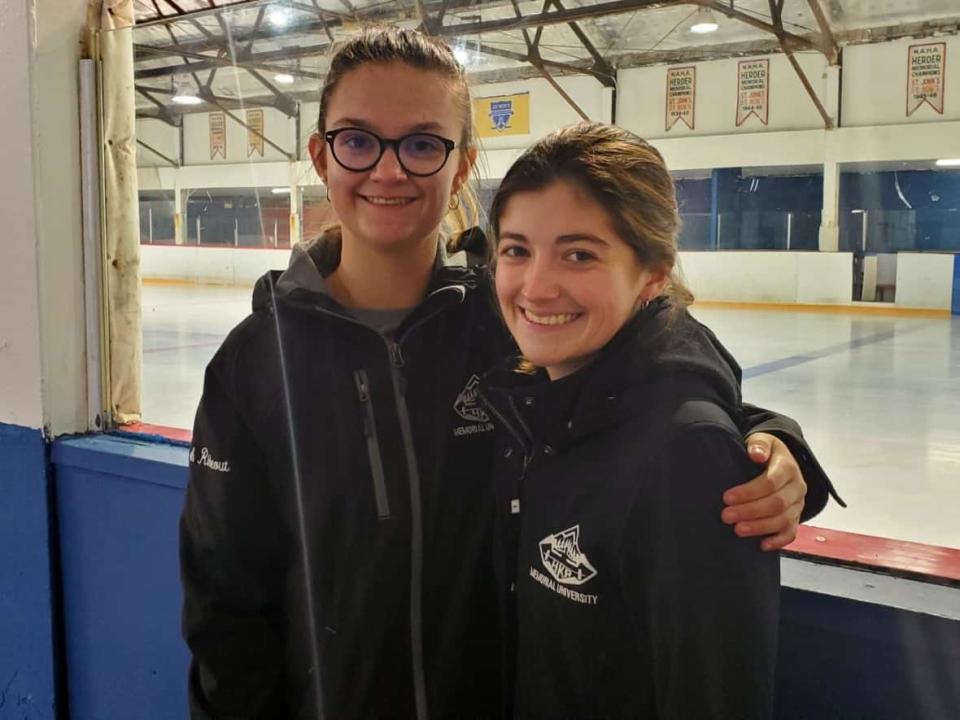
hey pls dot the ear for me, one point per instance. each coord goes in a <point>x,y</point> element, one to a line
<point>468,159</point>
<point>654,283</point>
<point>317,147</point>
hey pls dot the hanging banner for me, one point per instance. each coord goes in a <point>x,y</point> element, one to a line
<point>925,72</point>
<point>502,115</point>
<point>218,135</point>
<point>681,96</point>
<point>254,141</point>
<point>753,90</point>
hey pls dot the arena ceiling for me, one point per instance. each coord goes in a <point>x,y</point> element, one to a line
<point>230,52</point>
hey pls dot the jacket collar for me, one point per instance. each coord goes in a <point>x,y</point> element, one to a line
<point>662,354</point>
<point>303,283</point>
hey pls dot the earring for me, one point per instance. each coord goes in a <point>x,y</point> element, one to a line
<point>454,202</point>
<point>644,304</point>
<point>328,193</point>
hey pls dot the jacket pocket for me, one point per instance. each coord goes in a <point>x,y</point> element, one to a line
<point>373,445</point>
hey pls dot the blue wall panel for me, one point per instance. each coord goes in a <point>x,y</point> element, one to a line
<point>28,677</point>
<point>845,659</point>
<point>120,504</point>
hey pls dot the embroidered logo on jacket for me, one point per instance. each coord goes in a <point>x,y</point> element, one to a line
<point>567,564</point>
<point>205,459</point>
<point>563,558</point>
<point>468,407</point>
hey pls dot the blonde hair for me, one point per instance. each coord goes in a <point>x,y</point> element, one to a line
<point>383,44</point>
<point>620,171</point>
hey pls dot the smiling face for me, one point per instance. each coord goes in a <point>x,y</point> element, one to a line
<point>566,281</point>
<point>385,208</point>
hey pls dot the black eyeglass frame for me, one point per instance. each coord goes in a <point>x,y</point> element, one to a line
<point>331,135</point>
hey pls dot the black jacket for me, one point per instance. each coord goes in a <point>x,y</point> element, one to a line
<point>336,539</point>
<point>625,594</point>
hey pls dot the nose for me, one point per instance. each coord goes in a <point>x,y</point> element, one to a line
<point>388,167</point>
<point>540,280</point>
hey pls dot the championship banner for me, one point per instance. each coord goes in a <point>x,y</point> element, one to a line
<point>925,76</point>
<point>681,96</point>
<point>218,135</point>
<point>753,90</point>
<point>254,126</point>
<point>502,115</point>
<point>254,141</point>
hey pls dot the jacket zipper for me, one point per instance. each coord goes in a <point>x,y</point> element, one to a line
<point>416,530</point>
<point>416,510</point>
<point>373,445</point>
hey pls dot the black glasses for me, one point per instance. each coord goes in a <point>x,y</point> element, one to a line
<point>420,154</point>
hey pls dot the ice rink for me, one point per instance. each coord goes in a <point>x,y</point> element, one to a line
<point>878,397</point>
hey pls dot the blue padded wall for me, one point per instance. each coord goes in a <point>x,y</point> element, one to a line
<point>28,666</point>
<point>120,503</point>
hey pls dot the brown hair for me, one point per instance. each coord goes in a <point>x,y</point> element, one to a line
<point>384,44</point>
<point>623,173</point>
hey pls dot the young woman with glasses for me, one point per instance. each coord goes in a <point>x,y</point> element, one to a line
<point>336,542</point>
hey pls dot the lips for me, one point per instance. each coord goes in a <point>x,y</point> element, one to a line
<point>549,320</point>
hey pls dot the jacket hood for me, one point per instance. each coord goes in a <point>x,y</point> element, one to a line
<point>659,358</point>
<point>312,261</point>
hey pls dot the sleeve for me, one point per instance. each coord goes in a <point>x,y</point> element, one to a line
<point>230,565</point>
<point>704,604</point>
<point>819,487</point>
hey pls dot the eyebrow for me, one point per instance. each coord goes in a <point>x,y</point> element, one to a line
<point>581,237</point>
<point>561,240</point>
<point>357,122</point>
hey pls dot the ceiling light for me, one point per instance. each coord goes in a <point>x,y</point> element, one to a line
<point>704,23</point>
<point>281,191</point>
<point>461,54</point>
<point>279,17</point>
<point>949,162</point>
<point>186,99</point>
<point>184,93</point>
<point>283,78</point>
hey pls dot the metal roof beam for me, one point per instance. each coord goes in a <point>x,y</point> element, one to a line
<point>587,12</point>
<point>829,44</point>
<point>787,39</point>
<point>219,61</point>
<point>600,63</point>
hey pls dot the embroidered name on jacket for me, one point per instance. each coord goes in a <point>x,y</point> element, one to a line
<point>205,459</point>
<point>567,565</point>
<point>468,407</point>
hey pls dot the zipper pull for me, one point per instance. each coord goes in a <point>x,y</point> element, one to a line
<point>363,391</point>
<point>527,459</point>
<point>396,355</point>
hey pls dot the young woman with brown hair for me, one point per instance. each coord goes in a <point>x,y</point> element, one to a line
<point>625,594</point>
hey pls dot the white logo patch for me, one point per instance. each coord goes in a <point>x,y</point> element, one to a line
<point>567,565</point>
<point>468,407</point>
<point>563,558</point>
<point>205,459</point>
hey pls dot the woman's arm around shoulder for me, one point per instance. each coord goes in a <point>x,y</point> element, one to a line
<point>704,602</point>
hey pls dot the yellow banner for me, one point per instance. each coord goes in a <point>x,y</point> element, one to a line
<point>502,115</point>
